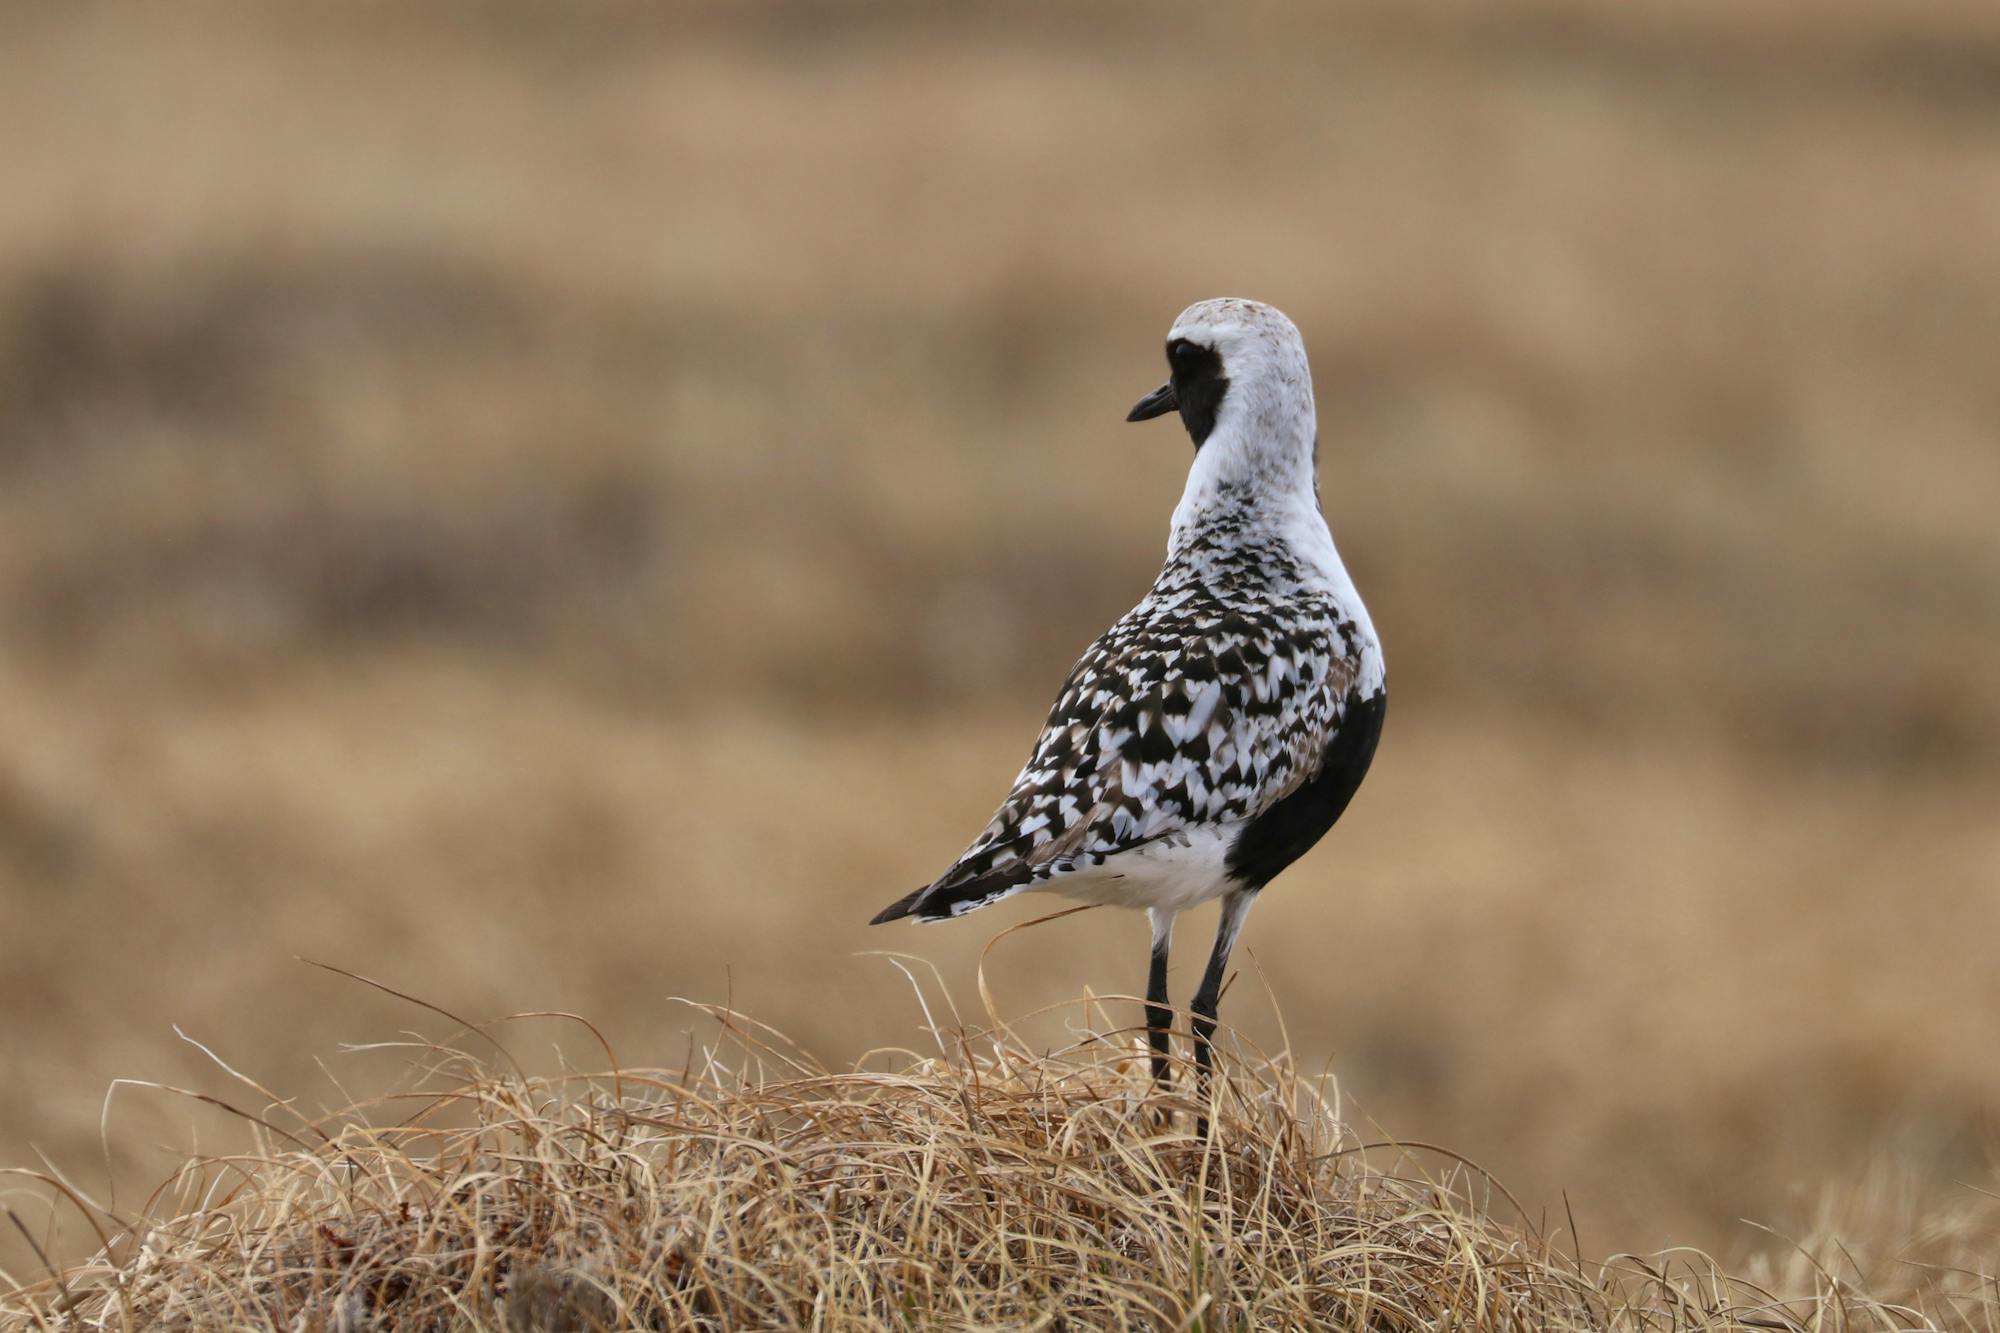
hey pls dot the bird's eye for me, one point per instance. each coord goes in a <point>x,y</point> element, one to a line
<point>1181,350</point>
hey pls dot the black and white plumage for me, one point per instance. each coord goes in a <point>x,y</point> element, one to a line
<point>1213,734</point>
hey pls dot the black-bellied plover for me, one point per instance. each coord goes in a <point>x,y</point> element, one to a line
<point>1214,733</point>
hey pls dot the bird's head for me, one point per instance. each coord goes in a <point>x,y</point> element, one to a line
<point>1234,366</point>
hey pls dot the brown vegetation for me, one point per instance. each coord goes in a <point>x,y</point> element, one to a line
<point>985,1186</point>
<point>570,505</point>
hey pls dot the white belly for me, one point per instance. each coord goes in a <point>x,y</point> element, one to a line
<point>1174,873</point>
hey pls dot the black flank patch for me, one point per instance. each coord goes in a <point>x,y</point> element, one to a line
<point>1287,831</point>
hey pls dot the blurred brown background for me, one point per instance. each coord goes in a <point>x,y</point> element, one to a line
<point>563,507</point>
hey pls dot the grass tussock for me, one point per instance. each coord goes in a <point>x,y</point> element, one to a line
<point>651,511</point>
<point>980,1186</point>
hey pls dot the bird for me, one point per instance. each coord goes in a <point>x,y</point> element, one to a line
<point>1214,734</point>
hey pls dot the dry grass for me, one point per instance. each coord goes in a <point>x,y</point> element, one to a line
<point>983,1186</point>
<point>581,503</point>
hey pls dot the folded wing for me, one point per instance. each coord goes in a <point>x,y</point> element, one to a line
<point>1173,720</point>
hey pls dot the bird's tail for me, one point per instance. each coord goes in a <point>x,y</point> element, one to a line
<point>902,907</point>
<point>944,900</point>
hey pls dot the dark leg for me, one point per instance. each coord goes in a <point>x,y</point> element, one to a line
<point>1235,906</point>
<point>1159,1009</point>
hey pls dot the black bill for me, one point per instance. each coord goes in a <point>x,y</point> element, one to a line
<point>1155,404</point>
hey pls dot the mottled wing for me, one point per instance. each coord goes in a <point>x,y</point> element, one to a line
<point>1183,715</point>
